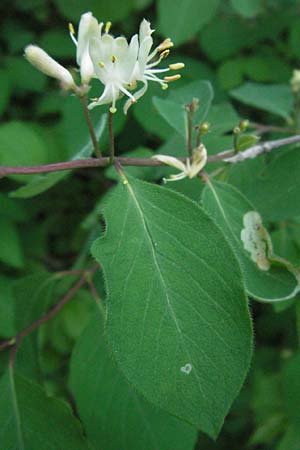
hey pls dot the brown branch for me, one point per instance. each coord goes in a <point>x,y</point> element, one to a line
<point>88,119</point>
<point>226,156</point>
<point>15,341</point>
<point>111,136</point>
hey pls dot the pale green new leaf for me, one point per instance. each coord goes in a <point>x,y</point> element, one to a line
<point>114,415</point>
<point>32,421</point>
<point>228,206</point>
<point>178,321</point>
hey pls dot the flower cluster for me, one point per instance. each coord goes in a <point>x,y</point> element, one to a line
<point>119,65</point>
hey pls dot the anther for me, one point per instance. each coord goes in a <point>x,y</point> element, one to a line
<point>164,54</point>
<point>71,28</point>
<point>107,27</point>
<point>172,78</point>
<point>113,59</point>
<point>101,64</point>
<point>167,43</point>
<point>176,66</point>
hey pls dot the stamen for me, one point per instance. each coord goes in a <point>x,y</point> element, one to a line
<point>71,28</point>
<point>113,59</point>
<point>107,27</point>
<point>166,44</point>
<point>176,66</point>
<point>101,64</point>
<point>164,54</point>
<point>172,78</point>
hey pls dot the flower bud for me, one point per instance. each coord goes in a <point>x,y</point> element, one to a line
<point>43,62</point>
<point>243,125</point>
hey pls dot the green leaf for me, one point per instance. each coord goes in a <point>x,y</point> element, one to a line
<point>227,206</point>
<point>31,420</point>
<point>114,415</point>
<point>5,90</point>
<point>32,294</point>
<point>7,326</point>
<point>173,109</point>
<point>276,99</point>
<point>274,194</point>
<point>247,8</point>
<point>11,252</point>
<point>291,389</point>
<point>178,320</point>
<point>245,141</point>
<point>181,20</point>
<point>222,118</point>
<point>43,182</point>
<point>21,145</point>
<point>115,11</point>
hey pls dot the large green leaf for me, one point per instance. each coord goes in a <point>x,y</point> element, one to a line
<point>228,206</point>
<point>43,182</point>
<point>178,320</point>
<point>275,98</point>
<point>181,20</point>
<point>31,420</point>
<point>11,251</point>
<point>173,108</point>
<point>114,415</point>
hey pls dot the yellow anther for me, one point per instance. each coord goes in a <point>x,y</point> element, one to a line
<point>71,28</point>
<point>164,54</point>
<point>113,59</point>
<point>172,78</point>
<point>167,43</point>
<point>101,64</point>
<point>113,110</point>
<point>107,27</point>
<point>176,66</point>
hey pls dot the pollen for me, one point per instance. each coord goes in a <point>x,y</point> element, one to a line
<point>71,28</point>
<point>101,64</point>
<point>176,66</point>
<point>172,78</point>
<point>107,27</point>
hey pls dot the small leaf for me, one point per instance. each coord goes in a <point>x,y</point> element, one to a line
<point>114,415</point>
<point>246,140</point>
<point>247,8</point>
<point>11,251</point>
<point>175,298</point>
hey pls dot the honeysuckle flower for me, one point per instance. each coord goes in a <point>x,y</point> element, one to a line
<point>114,61</point>
<point>42,61</point>
<point>189,169</point>
<point>87,29</point>
<point>145,68</point>
<point>120,66</point>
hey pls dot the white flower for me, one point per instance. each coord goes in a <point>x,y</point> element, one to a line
<point>119,65</point>
<point>87,29</point>
<point>114,61</point>
<point>42,61</point>
<point>145,68</point>
<point>190,169</point>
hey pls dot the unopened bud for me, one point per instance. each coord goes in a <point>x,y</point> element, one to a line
<point>43,62</point>
<point>243,125</point>
<point>204,128</point>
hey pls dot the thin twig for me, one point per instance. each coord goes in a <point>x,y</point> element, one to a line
<point>227,156</point>
<point>15,341</point>
<point>88,119</point>
<point>111,137</point>
<point>262,128</point>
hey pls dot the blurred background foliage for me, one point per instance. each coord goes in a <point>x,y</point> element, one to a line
<point>240,46</point>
